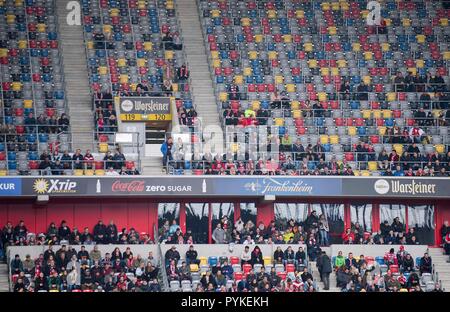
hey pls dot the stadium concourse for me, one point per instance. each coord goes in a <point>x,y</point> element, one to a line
<point>111,93</point>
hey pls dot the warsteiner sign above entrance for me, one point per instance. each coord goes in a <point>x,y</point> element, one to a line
<point>145,108</point>
<point>218,186</point>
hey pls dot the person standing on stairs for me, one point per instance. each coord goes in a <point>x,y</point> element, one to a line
<point>325,269</point>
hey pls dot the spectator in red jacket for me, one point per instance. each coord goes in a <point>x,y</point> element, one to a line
<point>347,235</point>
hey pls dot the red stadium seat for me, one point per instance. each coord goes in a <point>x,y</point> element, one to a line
<point>234,260</point>
<point>246,267</point>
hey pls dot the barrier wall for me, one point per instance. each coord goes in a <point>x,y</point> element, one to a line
<point>377,250</point>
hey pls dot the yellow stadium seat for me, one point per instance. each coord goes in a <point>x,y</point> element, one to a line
<point>368,55</point>
<point>203,260</point>
<point>247,71</point>
<point>366,113</point>
<point>142,5</point>
<point>447,55</point>
<point>322,96</point>
<point>388,22</point>
<point>279,79</point>
<point>114,12</point>
<point>420,38</point>
<point>335,6</point>
<point>324,139</point>
<point>123,78</point>
<point>273,55</point>
<point>403,290</point>
<point>89,172</point>
<point>23,44</point>
<point>10,19</point>
<point>334,139</point>
<point>297,113</point>
<point>3,52</point>
<point>193,267</point>
<point>175,87</point>
<point>382,131</point>
<point>443,22</point>
<point>440,148</point>
<point>332,30</point>
<point>420,63</point>
<point>216,13</point>
<point>41,27</point>
<point>78,172</point>
<point>325,71</point>
<point>102,70</point>
<point>271,14</point>
<point>385,47</point>
<point>357,173</point>
<point>398,148</point>
<point>3,173</point>
<point>223,96</point>
<point>259,38</point>
<point>300,13</point>
<point>16,86</point>
<point>103,147</point>
<point>28,103</point>
<point>133,86</point>
<point>325,6</point>
<point>334,71</point>
<point>406,22</point>
<point>367,79</point>
<point>234,147</point>
<point>107,29</point>
<point>312,63</point>
<point>287,38</point>
<point>365,173</point>
<point>295,105</point>
<point>18,3</point>
<point>279,122</point>
<point>216,63</point>
<point>351,130</point>
<point>267,260</point>
<point>148,46</point>
<point>121,62</point>
<point>308,47</point>
<point>387,113</point>
<point>376,114</point>
<point>391,96</point>
<point>168,55</point>
<point>356,47</point>
<point>169,6</point>
<point>214,55</point>
<point>256,105</point>
<point>341,63</point>
<point>141,62</point>
<point>253,55</point>
<point>90,45</point>
<point>373,166</point>
<point>290,87</point>
<point>99,172</point>
<point>245,21</point>
<point>412,70</point>
<point>344,6</point>
<point>238,79</point>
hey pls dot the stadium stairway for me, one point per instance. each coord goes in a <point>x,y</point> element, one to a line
<point>202,84</point>
<point>76,79</point>
<point>316,275</point>
<point>151,165</point>
<point>4,283</point>
<point>441,266</point>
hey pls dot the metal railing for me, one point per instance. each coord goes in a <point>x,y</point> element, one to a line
<point>165,279</point>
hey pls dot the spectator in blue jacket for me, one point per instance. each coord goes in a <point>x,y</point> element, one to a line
<point>166,150</point>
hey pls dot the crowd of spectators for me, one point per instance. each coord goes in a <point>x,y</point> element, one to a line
<point>396,272</point>
<point>247,274</point>
<point>66,270</point>
<point>296,159</point>
<point>101,233</point>
<point>56,163</point>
